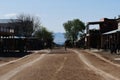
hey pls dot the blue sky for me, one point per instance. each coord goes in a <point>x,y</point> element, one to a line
<point>53,13</point>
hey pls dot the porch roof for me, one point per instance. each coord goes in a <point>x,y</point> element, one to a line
<point>93,23</point>
<point>111,32</point>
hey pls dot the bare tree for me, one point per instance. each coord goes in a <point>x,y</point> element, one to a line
<point>25,25</point>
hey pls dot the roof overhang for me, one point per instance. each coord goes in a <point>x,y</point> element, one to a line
<point>94,23</point>
<point>111,32</point>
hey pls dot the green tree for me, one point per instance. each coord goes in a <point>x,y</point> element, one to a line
<point>73,29</point>
<point>44,34</point>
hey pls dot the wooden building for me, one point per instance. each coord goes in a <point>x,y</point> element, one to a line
<point>105,25</point>
<point>111,39</point>
<point>10,41</point>
<point>6,30</point>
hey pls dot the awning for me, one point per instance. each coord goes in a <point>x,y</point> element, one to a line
<point>111,32</point>
<point>94,23</point>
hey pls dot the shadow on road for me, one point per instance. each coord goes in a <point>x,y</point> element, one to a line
<point>14,54</point>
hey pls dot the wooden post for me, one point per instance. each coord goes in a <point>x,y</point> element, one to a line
<point>87,36</point>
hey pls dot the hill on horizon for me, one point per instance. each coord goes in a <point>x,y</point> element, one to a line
<point>59,38</point>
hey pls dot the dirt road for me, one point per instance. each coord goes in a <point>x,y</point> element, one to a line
<point>59,64</point>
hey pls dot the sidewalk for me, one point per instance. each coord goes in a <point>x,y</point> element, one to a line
<point>106,54</point>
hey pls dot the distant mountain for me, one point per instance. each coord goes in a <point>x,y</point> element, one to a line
<point>59,38</point>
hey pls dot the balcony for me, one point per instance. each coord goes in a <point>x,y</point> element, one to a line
<point>6,31</point>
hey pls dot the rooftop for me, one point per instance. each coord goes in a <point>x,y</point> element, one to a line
<point>7,20</point>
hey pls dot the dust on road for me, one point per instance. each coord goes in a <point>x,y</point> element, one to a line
<point>60,65</point>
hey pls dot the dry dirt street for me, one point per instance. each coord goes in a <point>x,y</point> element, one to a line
<point>59,64</point>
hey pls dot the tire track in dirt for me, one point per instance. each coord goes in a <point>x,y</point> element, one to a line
<point>62,65</point>
<point>102,73</point>
<point>10,62</point>
<point>100,57</point>
<point>58,65</point>
<point>13,72</point>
